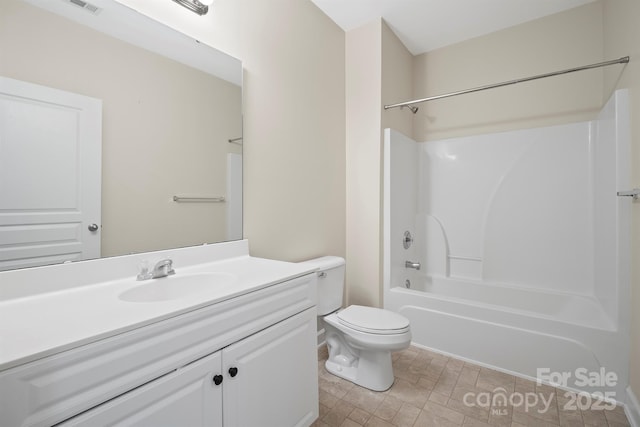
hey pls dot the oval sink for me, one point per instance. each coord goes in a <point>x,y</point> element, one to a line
<point>178,286</point>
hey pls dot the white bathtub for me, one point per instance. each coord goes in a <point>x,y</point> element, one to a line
<point>523,245</point>
<point>579,310</point>
<point>513,330</point>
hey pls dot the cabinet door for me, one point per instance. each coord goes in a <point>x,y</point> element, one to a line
<point>185,397</point>
<point>275,376</point>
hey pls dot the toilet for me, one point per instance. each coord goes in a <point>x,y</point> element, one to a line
<point>359,339</point>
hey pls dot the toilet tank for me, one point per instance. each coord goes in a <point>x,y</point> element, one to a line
<point>330,282</point>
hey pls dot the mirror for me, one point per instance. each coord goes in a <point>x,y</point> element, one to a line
<point>162,112</point>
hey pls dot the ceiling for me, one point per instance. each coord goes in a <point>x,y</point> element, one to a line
<point>425,25</point>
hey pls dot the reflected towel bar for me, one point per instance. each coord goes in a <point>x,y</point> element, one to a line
<point>189,199</point>
<point>635,193</point>
<point>623,60</point>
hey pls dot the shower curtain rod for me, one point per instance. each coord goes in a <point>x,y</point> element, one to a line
<point>623,60</point>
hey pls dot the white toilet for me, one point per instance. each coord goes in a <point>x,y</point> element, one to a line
<point>360,339</point>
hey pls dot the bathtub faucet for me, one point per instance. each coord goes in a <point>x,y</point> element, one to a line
<point>410,264</point>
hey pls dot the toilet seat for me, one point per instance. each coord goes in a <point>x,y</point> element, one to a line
<point>373,320</point>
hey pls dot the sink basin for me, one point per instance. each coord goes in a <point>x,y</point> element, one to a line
<point>178,286</point>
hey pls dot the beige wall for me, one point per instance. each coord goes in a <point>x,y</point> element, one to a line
<point>165,126</point>
<point>564,40</point>
<point>622,38</point>
<point>378,70</point>
<point>397,81</point>
<point>294,118</point>
<point>363,100</point>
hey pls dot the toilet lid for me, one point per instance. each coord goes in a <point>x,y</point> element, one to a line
<point>373,320</point>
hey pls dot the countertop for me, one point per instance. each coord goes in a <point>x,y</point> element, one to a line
<point>41,325</point>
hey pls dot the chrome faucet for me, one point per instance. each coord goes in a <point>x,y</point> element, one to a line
<point>163,268</point>
<point>410,264</point>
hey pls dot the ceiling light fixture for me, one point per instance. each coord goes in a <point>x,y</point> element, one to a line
<point>201,7</point>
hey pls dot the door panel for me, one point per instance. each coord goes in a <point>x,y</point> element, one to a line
<point>276,376</point>
<point>50,175</point>
<point>186,397</point>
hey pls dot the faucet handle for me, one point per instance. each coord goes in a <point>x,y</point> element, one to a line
<point>168,268</point>
<point>143,271</point>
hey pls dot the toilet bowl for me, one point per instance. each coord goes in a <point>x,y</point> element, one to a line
<point>360,346</point>
<point>359,339</point>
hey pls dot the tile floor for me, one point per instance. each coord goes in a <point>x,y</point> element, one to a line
<point>435,390</point>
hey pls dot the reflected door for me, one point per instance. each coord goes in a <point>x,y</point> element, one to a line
<point>50,175</point>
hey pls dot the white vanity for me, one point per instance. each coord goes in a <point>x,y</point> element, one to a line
<point>228,340</point>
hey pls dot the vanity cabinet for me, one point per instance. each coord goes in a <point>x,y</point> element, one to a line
<point>185,397</point>
<point>267,380</point>
<point>261,345</point>
<point>263,380</point>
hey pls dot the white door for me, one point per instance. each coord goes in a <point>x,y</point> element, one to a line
<point>50,175</point>
<point>271,377</point>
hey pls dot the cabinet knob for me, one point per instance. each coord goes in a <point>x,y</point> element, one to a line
<point>233,372</point>
<point>217,379</point>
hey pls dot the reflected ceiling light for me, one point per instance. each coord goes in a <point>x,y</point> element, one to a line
<point>201,7</point>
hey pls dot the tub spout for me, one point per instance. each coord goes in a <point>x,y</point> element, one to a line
<point>410,264</point>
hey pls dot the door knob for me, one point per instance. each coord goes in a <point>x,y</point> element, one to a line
<point>93,227</point>
<point>233,372</point>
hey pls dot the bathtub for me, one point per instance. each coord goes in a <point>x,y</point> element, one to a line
<point>521,271</point>
<point>512,330</point>
<point>578,310</point>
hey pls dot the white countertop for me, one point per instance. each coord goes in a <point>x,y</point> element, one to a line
<point>40,325</point>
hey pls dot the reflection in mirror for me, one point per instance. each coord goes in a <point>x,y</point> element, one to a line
<point>99,134</point>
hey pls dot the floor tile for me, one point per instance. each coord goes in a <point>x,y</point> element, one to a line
<point>359,416</point>
<point>429,391</point>
<point>388,408</point>
<point>406,416</point>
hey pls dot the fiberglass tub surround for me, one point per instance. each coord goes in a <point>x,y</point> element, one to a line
<point>522,243</point>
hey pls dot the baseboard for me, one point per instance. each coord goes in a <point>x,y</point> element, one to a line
<point>321,340</point>
<point>632,408</point>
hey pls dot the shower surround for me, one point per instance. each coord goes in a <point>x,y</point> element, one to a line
<point>523,245</point>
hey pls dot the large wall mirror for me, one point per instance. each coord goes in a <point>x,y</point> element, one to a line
<point>118,135</point>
